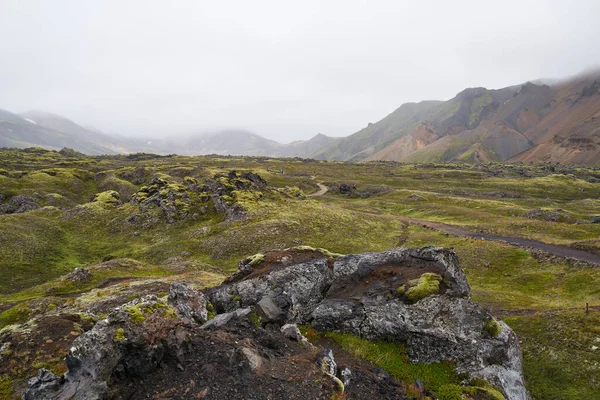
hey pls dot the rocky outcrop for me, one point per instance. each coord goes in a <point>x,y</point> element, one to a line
<point>144,349</point>
<point>18,204</point>
<point>419,297</point>
<point>360,294</point>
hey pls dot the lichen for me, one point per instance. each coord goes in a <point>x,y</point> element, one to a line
<point>492,327</point>
<point>428,284</point>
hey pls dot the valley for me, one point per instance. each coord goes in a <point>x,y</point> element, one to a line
<point>83,234</point>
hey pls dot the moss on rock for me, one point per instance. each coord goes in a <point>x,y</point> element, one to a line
<point>428,284</point>
<point>120,335</point>
<point>492,327</point>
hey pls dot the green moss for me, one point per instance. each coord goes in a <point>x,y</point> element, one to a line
<point>120,335</point>
<point>6,387</point>
<point>15,315</point>
<point>211,311</point>
<point>392,357</point>
<point>325,252</point>
<point>457,392</point>
<point>235,297</point>
<point>561,353</point>
<point>188,180</point>
<point>109,197</point>
<point>492,327</point>
<point>427,285</point>
<point>256,319</point>
<point>170,312</point>
<point>256,259</point>
<point>135,313</point>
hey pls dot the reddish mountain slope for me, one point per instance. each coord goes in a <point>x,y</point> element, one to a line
<point>528,123</point>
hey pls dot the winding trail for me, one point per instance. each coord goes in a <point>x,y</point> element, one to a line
<point>557,250</point>
<point>322,189</point>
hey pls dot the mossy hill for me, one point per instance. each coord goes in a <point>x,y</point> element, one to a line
<point>141,218</point>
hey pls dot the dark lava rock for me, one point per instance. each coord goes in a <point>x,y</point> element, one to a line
<point>148,349</point>
<point>359,296</point>
<point>19,204</point>
<point>79,275</point>
<point>189,302</point>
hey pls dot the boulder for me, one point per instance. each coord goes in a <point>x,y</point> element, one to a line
<point>189,302</point>
<point>364,294</point>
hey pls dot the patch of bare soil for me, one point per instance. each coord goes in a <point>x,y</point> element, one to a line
<point>241,361</point>
<point>383,280</point>
<point>275,260</point>
<point>44,345</point>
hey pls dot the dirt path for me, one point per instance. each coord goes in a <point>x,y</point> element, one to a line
<point>322,189</point>
<point>524,312</point>
<point>557,250</point>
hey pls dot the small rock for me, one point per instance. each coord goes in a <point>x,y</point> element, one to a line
<point>291,331</point>
<point>223,319</point>
<point>43,385</point>
<point>326,362</point>
<point>79,275</point>
<point>268,311</point>
<point>346,376</point>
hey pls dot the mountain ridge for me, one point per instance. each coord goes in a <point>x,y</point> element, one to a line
<point>532,122</point>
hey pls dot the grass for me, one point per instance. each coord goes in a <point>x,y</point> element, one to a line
<point>440,378</point>
<point>39,247</point>
<point>562,353</point>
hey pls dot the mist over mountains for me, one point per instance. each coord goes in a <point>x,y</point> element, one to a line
<point>544,121</point>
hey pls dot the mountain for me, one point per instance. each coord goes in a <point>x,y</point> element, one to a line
<point>549,120</point>
<point>304,148</point>
<point>36,129</point>
<point>227,142</point>
<point>376,136</point>
<point>530,122</point>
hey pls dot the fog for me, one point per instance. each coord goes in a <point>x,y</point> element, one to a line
<point>285,70</point>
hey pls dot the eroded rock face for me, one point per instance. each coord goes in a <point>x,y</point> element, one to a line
<point>144,350</point>
<point>359,295</point>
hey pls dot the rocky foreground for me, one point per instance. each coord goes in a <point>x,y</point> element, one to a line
<point>240,340</point>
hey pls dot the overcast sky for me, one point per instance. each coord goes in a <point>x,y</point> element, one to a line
<point>283,69</point>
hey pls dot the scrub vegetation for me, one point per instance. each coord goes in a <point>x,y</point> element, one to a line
<point>147,218</point>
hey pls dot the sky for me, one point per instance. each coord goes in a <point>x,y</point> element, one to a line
<point>286,70</point>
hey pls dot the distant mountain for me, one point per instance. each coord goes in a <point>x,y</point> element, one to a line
<point>36,129</point>
<point>544,121</point>
<point>304,148</point>
<point>227,142</point>
<point>374,137</point>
